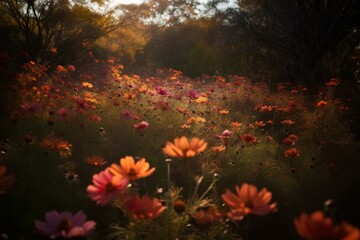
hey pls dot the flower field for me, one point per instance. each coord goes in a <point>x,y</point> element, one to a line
<point>91,152</point>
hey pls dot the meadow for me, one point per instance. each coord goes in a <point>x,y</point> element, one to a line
<point>171,157</point>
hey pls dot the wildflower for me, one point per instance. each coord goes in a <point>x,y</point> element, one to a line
<point>259,123</point>
<point>65,225</point>
<point>206,216</point>
<point>287,122</point>
<point>235,124</point>
<point>161,91</point>
<point>248,200</point>
<point>106,187</point>
<point>321,103</point>
<point>288,141</point>
<point>144,207</point>
<point>333,82</point>
<point>131,170</point>
<point>292,152</point>
<point>224,112</point>
<point>60,68</point>
<point>219,148</point>
<point>87,85</point>
<point>6,181</point>
<point>32,107</point>
<point>62,114</point>
<point>317,226</point>
<point>269,138</point>
<point>182,148</point>
<point>193,94</point>
<point>185,126</point>
<point>248,138</point>
<point>141,125</point>
<point>71,176</point>
<point>71,67</point>
<point>226,133</point>
<point>95,160</point>
<point>126,114</point>
<point>61,146</point>
<point>96,118</point>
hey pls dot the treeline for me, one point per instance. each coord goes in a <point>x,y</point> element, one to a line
<point>301,41</point>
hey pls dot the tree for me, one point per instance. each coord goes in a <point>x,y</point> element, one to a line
<point>302,41</point>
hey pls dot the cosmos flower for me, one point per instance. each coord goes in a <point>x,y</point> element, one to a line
<point>65,225</point>
<point>95,160</point>
<point>292,152</point>
<point>61,146</point>
<point>131,170</point>
<point>62,114</point>
<point>144,207</point>
<point>141,125</point>
<point>182,148</point>
<point>205,217</point>
<point>107,187</point>
<point>6,181</point>
<point>321,103</point>
<point>32,107</point>
<point>248,200</point>
<point>248,138</point>
<point>287,122</point>
<point>193,94</point>
<point>316,226</point>
<point>161,91</point>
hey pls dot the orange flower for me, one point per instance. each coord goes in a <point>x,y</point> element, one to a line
<point>224,111</point>
<point>321,103</point>
<point>205,217</point>
<point>5,181</point>
<point>287,122</point>
<point>259,123</point>
<point>235,124</point>
<point>61,146</point>
<point>131,170</point>
<point>317,226</point>
<point>182,148</point>
<point>218,148</point>
<point>87,84</point>
<point>248,200</point>
<point>95,160</point>
<point>144,207</point>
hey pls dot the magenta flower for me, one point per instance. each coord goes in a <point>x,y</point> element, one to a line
<point>162,91</point>
<point>106,187</point>
<point>65,225</point>
<point>126,114</point>
<point>193,94</point>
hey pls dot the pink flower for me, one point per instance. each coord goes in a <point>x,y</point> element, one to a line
<point>65,225</point>
<point>106,187</point>
<point>162,91</point>
<point>126,114</point>
<point>141,125</point>
<point>32,107</point>
<point>193,94</point>
<point>96,118</point>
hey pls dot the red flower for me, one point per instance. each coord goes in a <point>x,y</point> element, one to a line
<point>144,207</point>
